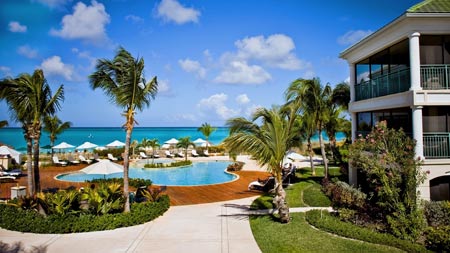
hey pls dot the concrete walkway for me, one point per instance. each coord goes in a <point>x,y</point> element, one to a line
<point>213,227</point>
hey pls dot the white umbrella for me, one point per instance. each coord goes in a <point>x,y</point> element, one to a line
<point>165,146</point>
<point>5,150</point>
<point>206,143</point>
<point>172,141</point>
<point>295,156</point>
<point>115,144</point>
<point>87,145</point>
<point>103,167</point>
<point>63,145</point>
<point>199,141</point>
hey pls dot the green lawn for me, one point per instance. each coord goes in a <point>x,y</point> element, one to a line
<point>298,236</point>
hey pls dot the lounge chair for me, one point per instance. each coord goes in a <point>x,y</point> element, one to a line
<point>72,160</point>
<point>111,157</point>
<point>168,154</point>
<point>205,153</point>
<point>262,185</point>
<point>194,153</point>
<point>56,161</point>
<point>143,155</point>
<point>84,160</point>
<point>289,176</point>
<point>179,154</point>
<point>155,155</point>
<point>96,158</point>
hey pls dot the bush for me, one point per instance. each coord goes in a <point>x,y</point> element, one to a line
<point>323,220</point>
<point>163,165</point>
<point>343,195</point>
<point>116,152</point>
<point>30,221</point>
<point>437,213</point>
<point>438,239</point>
<point>237,166</point>
<point>133,182</point>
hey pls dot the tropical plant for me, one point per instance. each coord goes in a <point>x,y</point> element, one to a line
<point>61,202</point>
<point>133,145</point>
<point>153,143</point>
<point>206,129</point>
<point>267,143</point>
<point>122,79</point>
<point>184,143</point>
<point>30,98</point>
<point>341,95</point>
<point>54,126</point>
<point>308,129</point>
<point>3,123</point>
<point>105,198</point>
<point>314,100</point>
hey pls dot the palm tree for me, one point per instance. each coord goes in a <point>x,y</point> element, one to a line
<point>267,143</point>
<point>206,130</point>
<point>133,145</point>
<point>184,143</point>
<point>154,144</point>
<point>308,128</point>
<point>315,102</point>
<point>30,98</point>
<point>341,95</point>
<point>54,126</point>
<point>122,79</point>
<point>3,123</point>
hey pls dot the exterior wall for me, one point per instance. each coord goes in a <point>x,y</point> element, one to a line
<point>433,169</point>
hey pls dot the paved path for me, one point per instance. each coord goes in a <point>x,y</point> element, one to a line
<point>213,227</point>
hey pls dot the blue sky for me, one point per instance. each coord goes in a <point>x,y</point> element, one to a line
<point>213,59</point>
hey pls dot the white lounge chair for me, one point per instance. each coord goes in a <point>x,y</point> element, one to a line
<point>58,162</point>
<point>194,153</point>
<point>143,155</point>
<point>168,154</point>
<point>111,157</point>
<point>84,160</point>
<point>180,154</point>
<point>72,160</point>
<point>156,155</point>
<point>205,153</point>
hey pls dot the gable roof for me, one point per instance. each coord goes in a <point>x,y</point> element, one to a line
<point>431,6</point>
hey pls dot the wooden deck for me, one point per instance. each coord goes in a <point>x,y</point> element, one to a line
<point>179,195</point>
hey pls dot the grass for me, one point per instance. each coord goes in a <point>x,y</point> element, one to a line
<point>299,236</point>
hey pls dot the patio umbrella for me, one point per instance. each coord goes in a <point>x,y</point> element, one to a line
<point>172,141</point>
<point>199,141</point>
<point>103,167</point>
<point>295,156</point>
<point>63,145</point>
<point>87,145</point>
<point>5,150</point>
<point>115,144</point>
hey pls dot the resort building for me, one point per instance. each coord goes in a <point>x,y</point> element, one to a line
<point>401,74</point>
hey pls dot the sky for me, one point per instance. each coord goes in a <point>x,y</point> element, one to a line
<point>214,60</point>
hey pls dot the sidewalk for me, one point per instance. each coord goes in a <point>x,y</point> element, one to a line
<point>213,227</point>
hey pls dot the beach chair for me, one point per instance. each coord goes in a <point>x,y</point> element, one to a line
<point>168,154</point>
<point>262,185</point>
<point>84,160</point>
<point>56,161</point>
<point>155,155</point>
<point>205,153</point>
<point>72,160</point>
<point>179,154</point>
<point>111,157</point>
<point>194,153</point>
<point>143,155</point>
<point>96,158</point>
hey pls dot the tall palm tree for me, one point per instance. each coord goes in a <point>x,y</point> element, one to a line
<point>3,123</point>
<point>30,98</point>
<point>133,145</point>
<point>206,130</point>
<point>54,126</point>
<point>341,95</point>
<point>267,143</point>
<point>153,143</point>
<point>315,102</point>
<point>184,143</point>
<point>308,128</point>
<point>123,81</point>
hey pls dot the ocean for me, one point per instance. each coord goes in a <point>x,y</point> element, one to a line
<point>104,135</point>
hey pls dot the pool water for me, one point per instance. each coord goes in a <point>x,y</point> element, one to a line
<point>199,173</point>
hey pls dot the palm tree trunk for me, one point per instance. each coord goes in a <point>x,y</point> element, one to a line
<point>129,127</point>
<point>280,200</point>
<point>37,178</point>
<point>311,154</point>
<point>324,156</point>
<point>30,174</point>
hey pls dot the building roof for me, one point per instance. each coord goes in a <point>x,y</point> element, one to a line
<point>431,6</point>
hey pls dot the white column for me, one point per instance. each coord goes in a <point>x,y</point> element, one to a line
<point>352,81</point>
<point>414,60</point>
<point>418,130</point>
<point>352,172</point>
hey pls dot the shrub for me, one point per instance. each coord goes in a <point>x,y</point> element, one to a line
<point>237,166</point>
<point>133,182</point>
<point>343,195</point>
<point>323,220</point>
<point>30,221</point>
<point>174,164</point>
<point>437,213</point>
<point>438,239</point>
<point>116,152</point>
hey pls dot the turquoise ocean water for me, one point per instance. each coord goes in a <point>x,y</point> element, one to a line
<point>104,135</point>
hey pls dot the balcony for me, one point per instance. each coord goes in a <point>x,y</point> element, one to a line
<point>435,77</point>
<point>383,85</point>
<point>436,145</point>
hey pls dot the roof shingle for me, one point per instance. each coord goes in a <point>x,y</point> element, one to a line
<point>431,6</point>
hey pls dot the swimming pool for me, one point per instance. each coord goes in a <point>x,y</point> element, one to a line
<point>199,173</point>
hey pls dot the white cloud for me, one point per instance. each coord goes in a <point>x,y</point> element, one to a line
<point>5,70</point>
<point>251,109</point>
<point>353,36</point>
<point>86,23</point>
<point>239,72</point>
<point>191,66</point>
<point>242,99</point>
<point>172,10</point>
<point>54,66</point>
<point>54,3</point>
<point>164,88</point>
<point>216,103</point>
<point>27,51</point>
<point>86,55</point>
<point>135,19</point>
<point>16,27</point>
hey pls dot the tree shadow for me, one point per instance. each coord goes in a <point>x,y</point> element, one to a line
<point>18,247</point>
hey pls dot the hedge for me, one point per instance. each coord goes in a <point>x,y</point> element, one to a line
<point>326,222</point>
<point>20,220</point>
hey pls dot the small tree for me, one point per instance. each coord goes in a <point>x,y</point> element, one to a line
<point>54,126</point>
<point>184,143</point>
<point>386,158</point>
